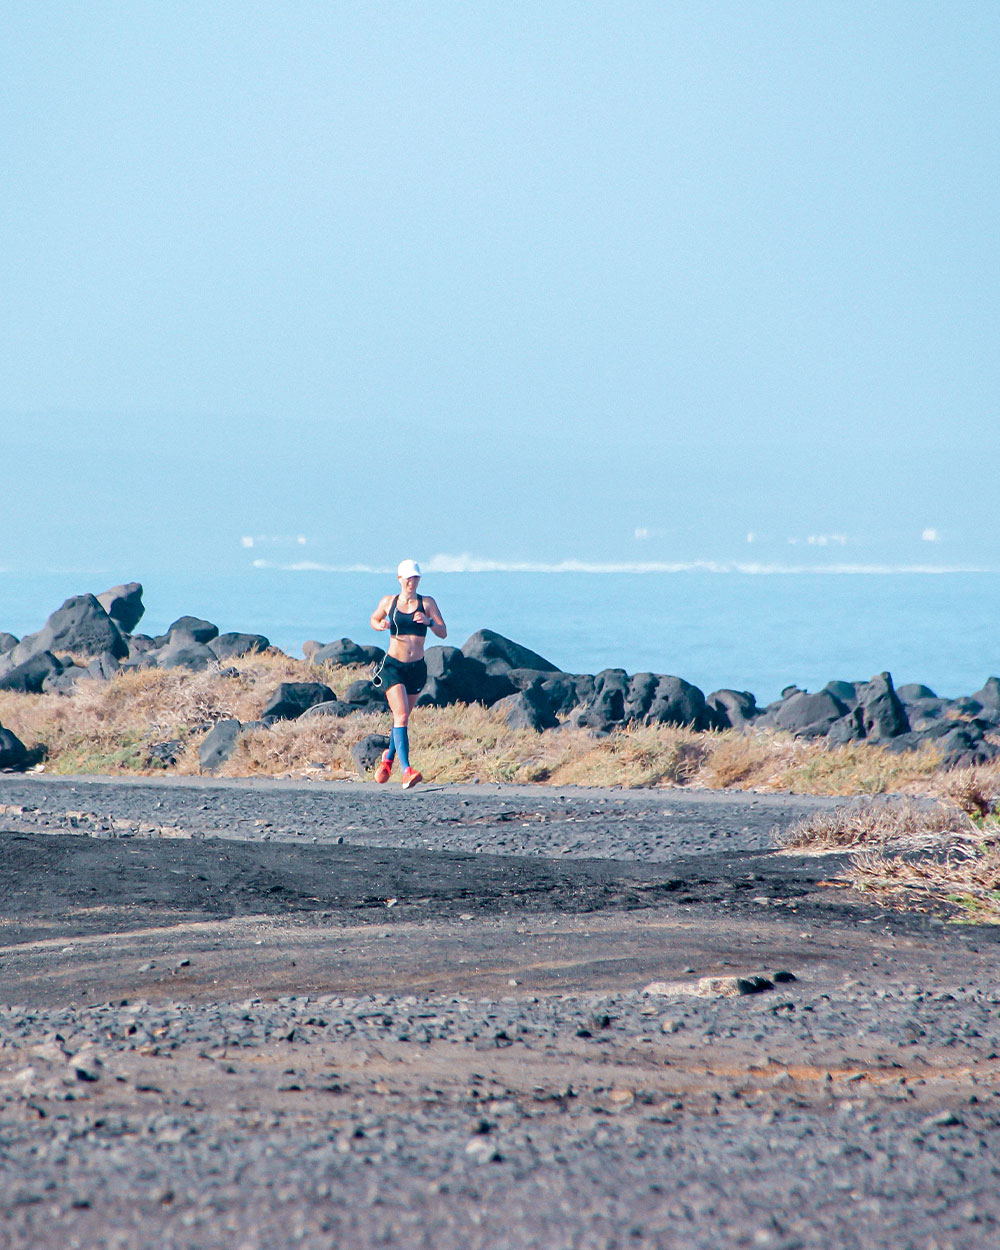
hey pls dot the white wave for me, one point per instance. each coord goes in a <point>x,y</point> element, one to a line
<point>314,566</point>
<point>442,563</point>
<point>273,540</point>
<point>467,563</point>
<point>882,569</point>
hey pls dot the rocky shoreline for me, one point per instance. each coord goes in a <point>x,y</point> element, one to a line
<point>92,638</point>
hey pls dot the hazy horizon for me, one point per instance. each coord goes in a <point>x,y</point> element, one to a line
<point>612,285</point>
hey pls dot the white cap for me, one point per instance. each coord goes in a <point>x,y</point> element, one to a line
<point>408,568</point>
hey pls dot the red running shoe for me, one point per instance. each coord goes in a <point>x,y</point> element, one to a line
<point>410,778</point>
<point>384,771</point>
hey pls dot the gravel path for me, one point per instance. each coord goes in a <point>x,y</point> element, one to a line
<point>441,1031</point>
<point>508,820</point>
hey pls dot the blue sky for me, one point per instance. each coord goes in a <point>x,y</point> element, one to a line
<point>623,283</point>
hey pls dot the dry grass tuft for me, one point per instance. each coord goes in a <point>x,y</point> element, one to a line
<point>962,876</point>
<point>910,855</point>
<point>774,761</point>
<point>475,743</point>
<point>633,757</point>
<point>975,790</point>
<point>743,761</point>
<point>856,768</point>
<point>904,826</point>
<point>299,748</point>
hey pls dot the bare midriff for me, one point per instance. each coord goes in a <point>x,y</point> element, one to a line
<point>407,647</point>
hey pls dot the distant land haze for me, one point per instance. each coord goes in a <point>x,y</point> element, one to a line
<point>221,492</point>
<point>629,285</point>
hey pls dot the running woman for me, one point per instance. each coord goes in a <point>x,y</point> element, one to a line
<point>402,674</point>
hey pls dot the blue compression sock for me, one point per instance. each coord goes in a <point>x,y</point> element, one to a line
<point>390,755</point>
<point>400,745</point>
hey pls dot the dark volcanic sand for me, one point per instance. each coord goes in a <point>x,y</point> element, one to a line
<point>263,1014</point>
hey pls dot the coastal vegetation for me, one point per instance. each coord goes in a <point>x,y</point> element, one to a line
<point>939,853</point>
<point>148,720</point>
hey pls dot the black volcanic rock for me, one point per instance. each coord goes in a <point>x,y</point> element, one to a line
<point>460,679</point>
<point>923,713</point>
<point>367,753</point>
<point>13,752</point>
<point>218,745</point>
<point>989,699</point>
<point>232,646</point>
<point>732,709</point>
<point>434,694</point>
<point>965,706</point>
<point>847,729</point>
<point>366,697</point>
<point>28,678</point>
<point>807,715</point>
<point>882,714</point>
<point>606,706</point>
<point>490,648</point>
<point>527,709</point>
<point>646,698</point>
<point>937,733</point>
<point>164,754</point>
<point>964,747</point>
<point>201,631</point>
<point>292,698</point>
<point>845,691</point>
<point>64,682</point>
<point>524,678</point>
<point>639,694</point>
<point>344,651</point>
<point>566,691</point>
<point>81,625</point>
<point>182,651</point>
<point>332,707</point>
<point>914,692</point>
<point>103,667</point>
<point>677,702</point>
<point>124,605</point>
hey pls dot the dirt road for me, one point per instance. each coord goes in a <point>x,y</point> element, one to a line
<point>266,1015</point>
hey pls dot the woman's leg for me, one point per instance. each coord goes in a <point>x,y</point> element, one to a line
<point>410,775</point>
<point>399,705</point>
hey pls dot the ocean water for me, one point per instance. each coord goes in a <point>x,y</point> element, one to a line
<point>757,632</point>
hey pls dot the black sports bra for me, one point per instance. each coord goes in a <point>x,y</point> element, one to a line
<point>402,622</point>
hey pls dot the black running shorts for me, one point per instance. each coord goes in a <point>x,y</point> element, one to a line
<point>410,674</point>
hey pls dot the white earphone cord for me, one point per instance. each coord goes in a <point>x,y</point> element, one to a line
<point>377,674</point>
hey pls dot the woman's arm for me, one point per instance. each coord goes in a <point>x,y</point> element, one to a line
<point>434,618</point>
<point>379,618</point>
